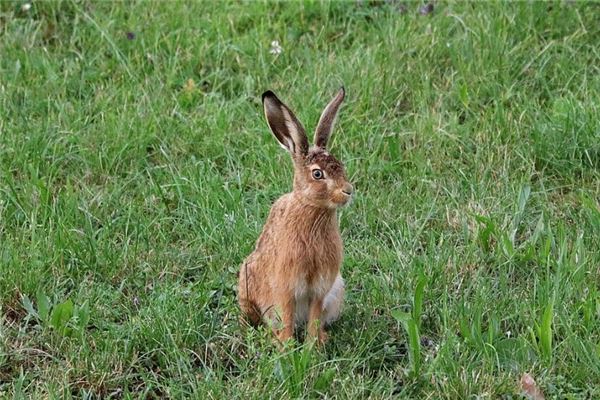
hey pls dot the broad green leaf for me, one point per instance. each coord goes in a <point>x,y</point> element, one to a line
<point>418,300</point>
<point>414,341</point>
<point>82,313</point>
<point>28,306</point>
<point>61,314</point>
<point>400,316</point>
<point>43,305</point>
<point>546,330</point>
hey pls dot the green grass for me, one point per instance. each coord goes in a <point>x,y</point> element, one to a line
<point>129,195</point>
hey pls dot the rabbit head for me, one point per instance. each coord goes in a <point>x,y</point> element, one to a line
<point>319,178</point>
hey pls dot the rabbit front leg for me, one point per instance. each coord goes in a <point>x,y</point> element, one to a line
<point>315,329</point>
<point>285,330</point>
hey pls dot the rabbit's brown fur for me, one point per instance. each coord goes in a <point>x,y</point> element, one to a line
<point>293,275</point>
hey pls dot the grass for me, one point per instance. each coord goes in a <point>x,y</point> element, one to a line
<point>136,171</point>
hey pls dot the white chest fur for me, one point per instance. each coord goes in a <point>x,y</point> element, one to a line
<point>305,292</point>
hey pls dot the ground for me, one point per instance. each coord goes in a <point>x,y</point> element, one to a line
<point>136,171</point>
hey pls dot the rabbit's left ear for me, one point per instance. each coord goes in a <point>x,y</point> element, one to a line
<point>284,125</point>
<point>327,120</point>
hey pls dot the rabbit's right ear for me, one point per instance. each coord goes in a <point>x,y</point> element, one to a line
<point>284,125</point>
<point>327,120</point>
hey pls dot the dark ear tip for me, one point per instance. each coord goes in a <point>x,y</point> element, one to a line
<point>266,94</point>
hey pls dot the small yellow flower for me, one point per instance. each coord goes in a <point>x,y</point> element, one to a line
<point>189,86</point>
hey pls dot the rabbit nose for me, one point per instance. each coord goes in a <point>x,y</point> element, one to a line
<point>348,189</point>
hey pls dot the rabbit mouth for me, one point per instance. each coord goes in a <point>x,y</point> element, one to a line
<point>342,200</point>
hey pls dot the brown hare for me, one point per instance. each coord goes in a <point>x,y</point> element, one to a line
<point>293,275</point>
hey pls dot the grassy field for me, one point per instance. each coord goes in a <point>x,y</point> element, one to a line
<point>136,171</point>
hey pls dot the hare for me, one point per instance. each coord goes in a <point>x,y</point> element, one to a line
<point>293,275</point>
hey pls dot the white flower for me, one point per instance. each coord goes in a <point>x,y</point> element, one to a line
<point>26,7</point>
<point>275,48</point>
<point>508,333</point>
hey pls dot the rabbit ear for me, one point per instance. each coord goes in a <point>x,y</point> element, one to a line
<point>327,120</point>
<point>284,125</point>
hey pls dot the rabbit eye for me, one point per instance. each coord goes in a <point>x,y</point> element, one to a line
<point>317,174</point>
